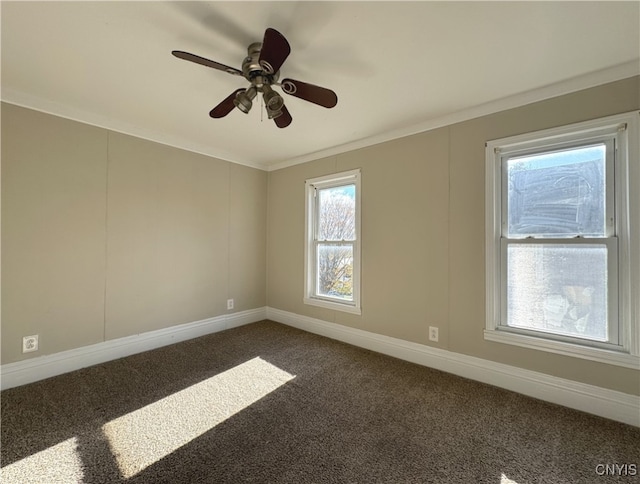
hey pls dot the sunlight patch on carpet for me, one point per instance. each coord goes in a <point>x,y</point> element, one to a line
<point>140,438</point>
<point>38,468</point>
<point>505,480</point>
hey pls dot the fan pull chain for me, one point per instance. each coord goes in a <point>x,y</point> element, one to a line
<point>261,109</point>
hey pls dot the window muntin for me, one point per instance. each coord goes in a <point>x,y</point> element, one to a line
<point>535,221</point>
<point>332,247</point>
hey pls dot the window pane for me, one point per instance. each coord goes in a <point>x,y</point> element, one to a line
<point>335,271</point>
<point>559,194</point>
<point>560,289</point>
<point>337,213</point>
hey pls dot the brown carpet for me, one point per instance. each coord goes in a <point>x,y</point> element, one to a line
<point>267,403</point>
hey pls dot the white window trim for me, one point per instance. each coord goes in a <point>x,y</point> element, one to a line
<point>628,217</point>
<point>327,181</point>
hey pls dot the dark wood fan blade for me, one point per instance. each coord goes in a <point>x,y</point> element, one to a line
<point>314,94</point>
<point>226,106</point>
<point>205,62</point>
<point>275,50</point>
<point>284,119</point>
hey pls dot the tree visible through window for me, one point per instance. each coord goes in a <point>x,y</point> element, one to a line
<point>332,247</point>
<point>336,223</point>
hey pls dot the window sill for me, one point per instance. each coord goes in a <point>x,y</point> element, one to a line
<point>610,357</point>
<point>347,308</point>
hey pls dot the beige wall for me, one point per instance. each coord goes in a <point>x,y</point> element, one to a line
<point>106,235</point>
<point>53,232</point>
<point>423,234</point>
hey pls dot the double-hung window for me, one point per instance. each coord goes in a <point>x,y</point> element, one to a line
<point>332,249</point>
<point>562,240</point>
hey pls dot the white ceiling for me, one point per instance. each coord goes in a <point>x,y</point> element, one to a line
<point>397,67</point>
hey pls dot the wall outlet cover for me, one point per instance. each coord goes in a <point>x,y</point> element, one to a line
<point>30,343</point>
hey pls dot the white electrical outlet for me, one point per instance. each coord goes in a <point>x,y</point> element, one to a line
<point>433,333</point>
<point>30,343</point>
<point>229,303</point>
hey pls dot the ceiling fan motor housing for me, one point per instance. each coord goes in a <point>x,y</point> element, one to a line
<point>255,72</point>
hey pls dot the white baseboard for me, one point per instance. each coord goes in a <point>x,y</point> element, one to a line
<point>39,368</point>
<point>606,403</point>
<point>610,404</point>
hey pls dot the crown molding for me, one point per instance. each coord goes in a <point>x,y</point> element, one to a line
<point>19,98</point>
<point>593,79</point>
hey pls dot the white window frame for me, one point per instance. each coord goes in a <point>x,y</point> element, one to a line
<point>311,295</point>
<point>625,231</point>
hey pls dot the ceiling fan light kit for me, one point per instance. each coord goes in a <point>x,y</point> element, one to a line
<point>243,100</point>
<point>261,68</point>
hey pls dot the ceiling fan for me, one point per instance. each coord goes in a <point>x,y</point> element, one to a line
<point>261,68</point>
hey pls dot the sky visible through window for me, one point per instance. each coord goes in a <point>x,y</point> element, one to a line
<point>558,158</point>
